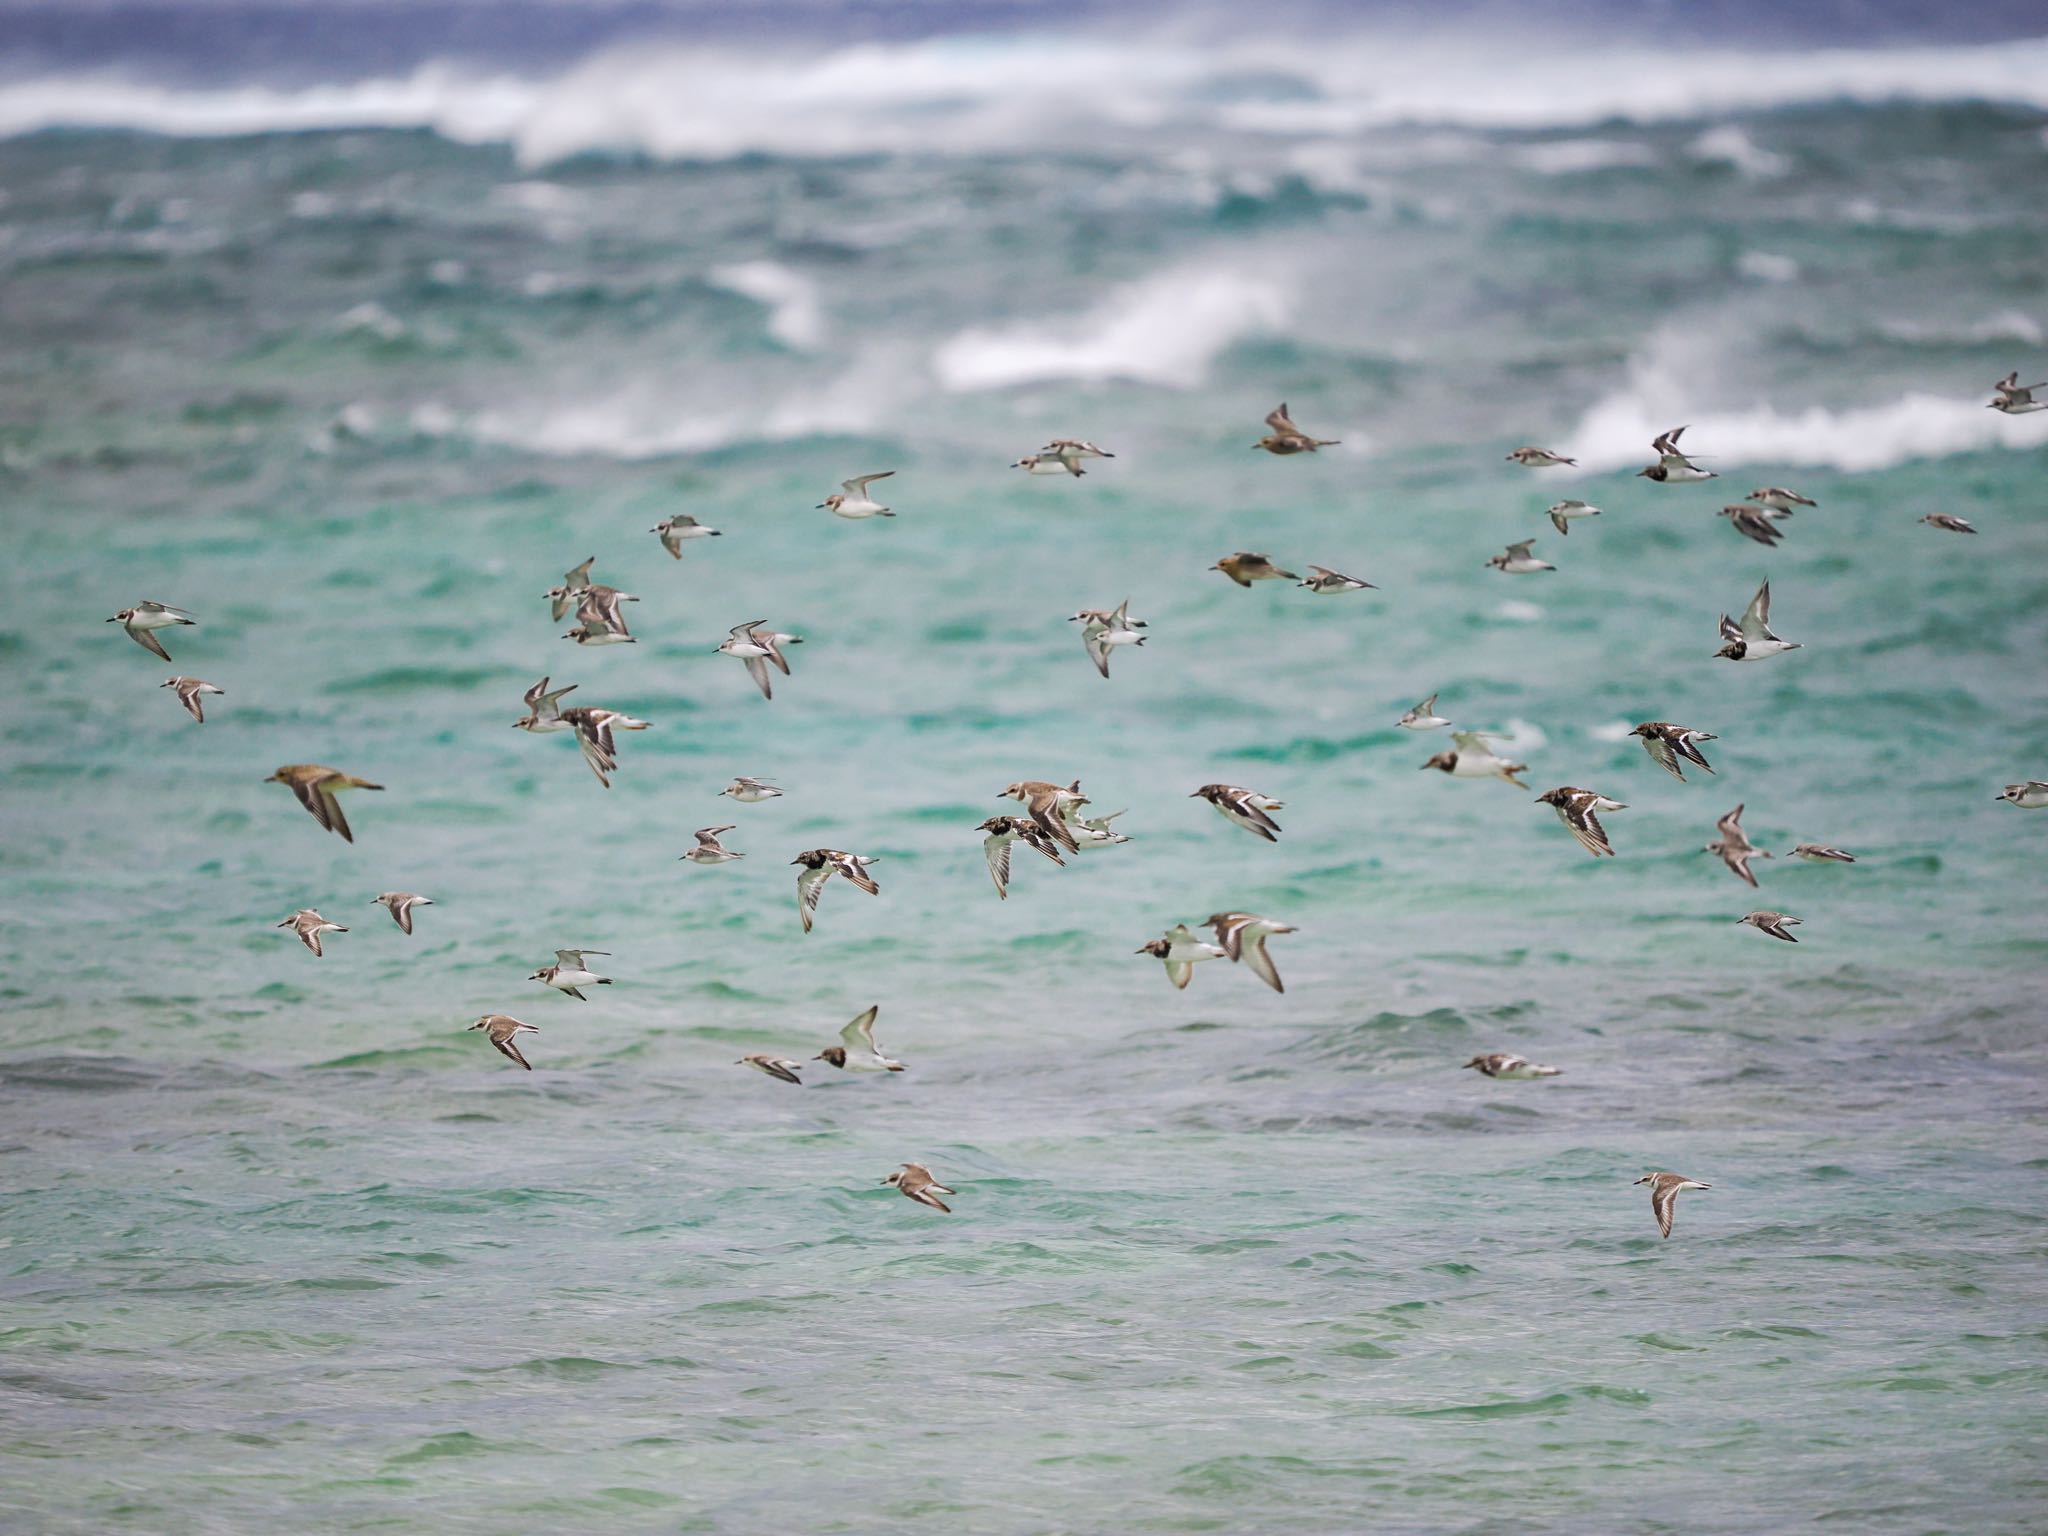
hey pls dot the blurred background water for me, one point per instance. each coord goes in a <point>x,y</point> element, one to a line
<point>353,353</point>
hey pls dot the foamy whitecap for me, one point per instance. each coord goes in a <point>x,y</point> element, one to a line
<point>1766,267</point>
<point>1613,730</point>
<point>1730,145</point>
<point>795,317</point>
<point>1569,157</point>
<point>1516,611</point>
<point>1166,330</point>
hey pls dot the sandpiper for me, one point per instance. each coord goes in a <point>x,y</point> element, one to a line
<point>1538,458</point>
<point>1576,808</point>
<point>189,689</point>
<point>594,729</point>
<point>544,708</point>
<point>856,1050</point>
<point>916,1181</point>
<point>1245,808</point>
<point>853,500</point>
<point>1423,717</point>
<point>309,925</point>
<point>1778,499</point>
<point>400,905</point>
<point>709,849</point>
<point>1002,832</point>
<point>820,865</point>
<point>1757,524</point>
<point>1091,831</point>
<point>1047,464</point>
<point>501,1029</point>
<point>2015,398</point>
<point>1672,466</point>
<point>759,647</point>
<point>1245,567</point>
<point>1474,759</point>
<point>575,582</point>
<point>1821,853</point>
<point>675,530</point>
<point>1518,560</point>
<point>599,619</point>
<point>1325,582</point>
<point>1673,746</point>
<point>1243,937</point>
<point>146,617</point>
<point>1563,513</point>
<point>1752,640</point>
<point>1284,437</point>
<point>1773,923</point>
<point>1948,522</point>
<point>1102,629</point>
<point>2031,795</point>
<point>1664,1188</point>
<point>571,972</point>
<point>1062,455</point>
<point>1518,1068</point>
<point>1734,848</point>
<point>1047,804</point>
<point>774,1066</point>
<point>1179,950</point>
<point>316,786</point>
<point>751,791</point>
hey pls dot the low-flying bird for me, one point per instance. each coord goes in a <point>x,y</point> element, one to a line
<point>502,1030</point>
<point>316,786</point>
<point>1179,950</point>
<point>1103,629</point>
<point>1538,458</point>
<point>571,972</point>
<point>189,690</point>
<point>1671,747</point>
<point>1734,848</point>
<point>1325,582</point>
<point>575,582</point>
<point>1423,717</point>
<point>1773,923</point>
<point>1752,640</point>
<point>759,647</point>
<point>709,849</point>
<point>820,865</point>
<point>1245,808</point>
<point>1672,466</point>
<point>2030,795</point>
<point>916,1181</point>
<point>1520,560</point>
<point>1576,808</point>
<point>1948,522</point>
<point>1473,758</point>
<point>852,499</point>
<point>675,531</point>
<point>1246,567</point>
<point>143,620</point>
<point>2015,398</point>
<point>309,925</point>
<point>1564,513</point>
<point>400,904</point>
<point>1664,1188</point>
<point>856,1050</point>
<point>1284,437</point>
<point>1243,937</point>
<point>1518,1068</point>
<point>779,1067</point>
<point>1002,832</point>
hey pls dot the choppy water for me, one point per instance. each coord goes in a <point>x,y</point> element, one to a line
<point>285,1248</point>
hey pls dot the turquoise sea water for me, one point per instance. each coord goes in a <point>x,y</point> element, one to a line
<point>283,1247</point>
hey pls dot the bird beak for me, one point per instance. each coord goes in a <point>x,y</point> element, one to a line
<point>819,507</point>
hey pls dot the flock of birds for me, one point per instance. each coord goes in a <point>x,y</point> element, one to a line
<point>1055,820</point>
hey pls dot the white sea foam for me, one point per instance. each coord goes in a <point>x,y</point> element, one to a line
<point>1767,267</point>
<point>979,93</point>
<point>1166,329</point>
<point>1517,612</point>
<point>2006,326</point>
<point>1568,157</point>
<point>1730,145</point>
<point>795,317</point>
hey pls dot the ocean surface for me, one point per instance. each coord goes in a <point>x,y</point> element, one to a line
<point>355,372</point>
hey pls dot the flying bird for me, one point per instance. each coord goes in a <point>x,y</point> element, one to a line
<point>400,905</point>
<point>1002,832</point>
<point>674,531</point>
<point>145,618</point>
<point>853,500</point>
<point>309,925</point>
<point>1752,640</point>
<point>709,849</point>
<point>1664,1188</point>
<point>316,786</point>
<point>1103,629</point>
<point>1948,522</point>
<point>1245,567</point>
<point>1773,923</point>
<point>1517,1068</point>
<point>1325,582</point>
<point>1518,560</point>
<point>2015,398</point>
<point>1538,458</point>
<point>571,973</point>
<point>1673,746</point>
<point>856,1050</point>
<point>1245,808</point>
<point>1564,513</point>
<point>1576,808</point>
<point>779,1067</point>
<point>1734,847</point>
<point>1179,950</point>
<point>820,865</point>
<point>1243,937</point>
<point>1672,466</point>
<point>1284,437</point>
<point>1475,759</point>
<point>916,1181</point>
<point>189,689</point>
<point>502,1030</point>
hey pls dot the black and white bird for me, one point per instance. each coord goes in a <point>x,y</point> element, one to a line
<point>1757,524</point>
<point>820,865</point>
<point>709,849</point>
<point>676,531</point>
<point>1179,949</point>
<point>1673,746</point>
<point>2015,398</point>
<point>1103,629</point>
<point>1245,808</point>
<point>1773,923</point>
<point>1752,640</point>
<point>1564,513</point>
<point>1516,1068</point>
<point>1672,466</point>
<point>143,620</point>
<point>1004,831</point>
<point>856,1050</point>
<point>1576,808</point>
<point>1243,937</point>
<point>1519,560</point>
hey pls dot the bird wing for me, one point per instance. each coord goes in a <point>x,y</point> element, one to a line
<point>325,808</point>
<point>506,1047</point>
<point>1660,749</point>
<point>602,763</point>
<point>850,868</point>
<point>767,642</point>
<point>1091,637</point>
<point>1252,951</point>
<point>1756,618</point>
<point>1281,422</point>
<point>861,1032</point>
<point>148,641</point>
<point>997,848</point>
<point>1180,973</point>
<point>1474,741</point>
<point>859,483</point>
<point>1663,1200</point>
<point>810,889</point>
<point>401,913</point>
<point>757,669</point>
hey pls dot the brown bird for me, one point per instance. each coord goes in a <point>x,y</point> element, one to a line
<point>1285,437</point>
<point>309,925</point>
<point>189,689</point>
<point>916,1181</point>
<point>1244,568</point>
<point>400,905</point>
<point>503,1030</point>
<point>1948,522</point>
<point>316,786</point>
<point>1673,746</point>
<point>1734,846</point>
<point>1664,1188</point>
<point>1773,923</point>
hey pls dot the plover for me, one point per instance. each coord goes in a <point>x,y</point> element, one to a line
<point>1245,567</point>
<point>751,791</point>
<point>145,618</point>
<point>1243,937</point>
<point>1474,759</point>
<point>1757,524</point>
<point>856,1050</point>
<point>1576,808</point>
<point>316,786</point>
<point>1325,582</point>
<point>820,865</point>
<point>1179,950</point>
<point>544,708</point>
<point>853,500</point>
<point>916,1181</point>
<point>1519,561</point>
<point>1672,466</point>
<point>1821,853</point>
<point>400,904</point>
<point>1773,923</point>
<point>575,582</point>
<point>1664,1188</point>
<point>1002,832</point>
<point>759,647</point>
<point>1673,746</point>
<point>501,1030</point>
<point>309,925</point>
<point>1778,499</point>
<point>1517,1068</point>
<point>1047,804</point>
<point>674,531</point>
<point>571,972</point>
<point>1091,831</point>
<point>780,1067</point>
<point>1563,513</point>
<point>1284,437</point>
<point>2031,795</point>
<point>1423,717</point>
<point>1072,449</point>
<point>709,849</point>
<point>1047,464</point>
<point>1734,848</point>
<point>1752,640</point>
<point>189,689</point>
<point>2015,398</point>
<point>1948,522</point>
<point>1538,458</point>
<point>600,620</point>
<point>1245,808</point>
<point>1103,629</point>
<point>594,729</point>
